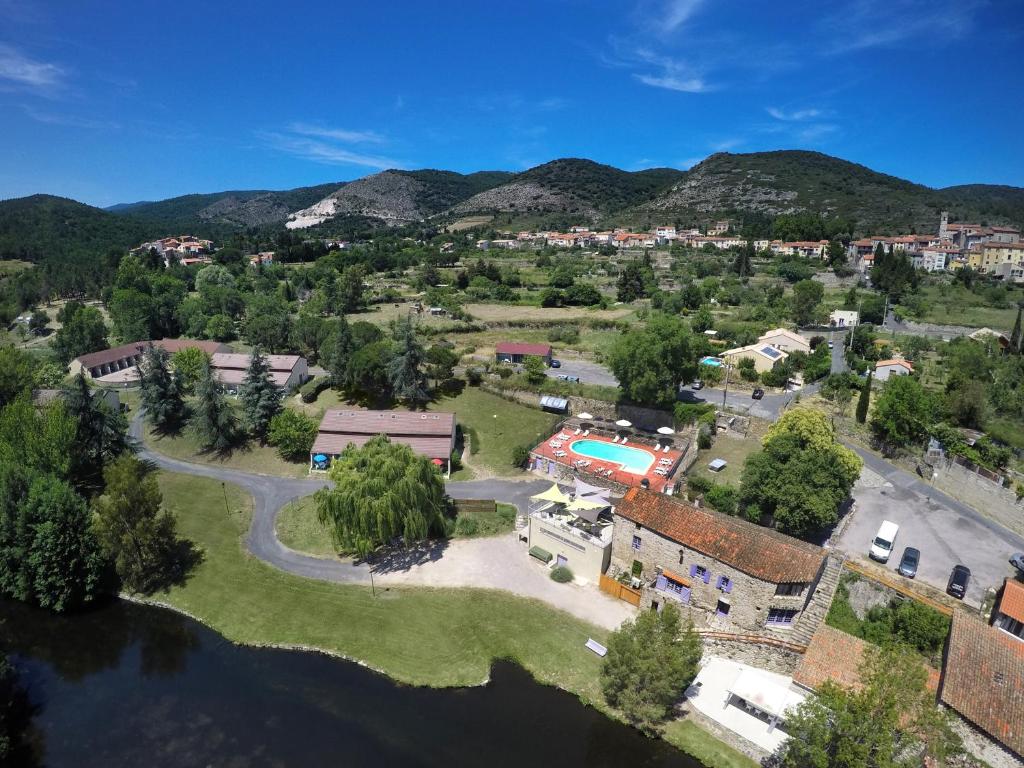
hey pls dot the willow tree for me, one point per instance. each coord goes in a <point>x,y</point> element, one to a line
<point>381,491</point>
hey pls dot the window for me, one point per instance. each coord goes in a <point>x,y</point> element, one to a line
<point>681,556</point>
<point>793,589</point>
<point>700,572</point>
<point>724,583</point>
<point>780,616</point>
<point>636,542</point>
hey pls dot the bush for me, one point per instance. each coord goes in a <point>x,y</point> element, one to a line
<point>568,334</point>
<point>724,498</point>
<point>311,390</point>
<point>474,376</point>
<point>704,439</point>
<point>688,413</point>
<point>699,484</point>
<point>292,433</point>
<point>474,441</point>
<point>561,574</point>
<point>520,455</point>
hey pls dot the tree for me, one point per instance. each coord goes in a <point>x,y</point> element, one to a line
<point>132,314</point>
<point>634,280</point>
<point>441,362</point>
<point>212,419</point>
<point>802,474</point>
<point>889,722</point>
<point>651,660</point>
<point>292,433</point>
<point>902,413</point>
<point>338,351</point>
<point>82,332</point>
<point>651,362</point>
<point>369,370</point>
<point>102,432</point>
<point>260,397</point>
<point>161,395</point>
<point>742,265</point>
<point>381,491</point>
<point>134,531</point>
<point>408,381</point>
<point>534,367</point>
<point>807,294</point>
<point>1016,345</point>
<point>15,373</point>
<point>49,555</point>
<point>38,321</point>
<point>187,364</point>
<point>863,400</point>
<point>350,289</point>
<point>219,328</point>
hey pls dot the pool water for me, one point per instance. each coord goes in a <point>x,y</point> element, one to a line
<point>636,461</point>
<point>714,362</point>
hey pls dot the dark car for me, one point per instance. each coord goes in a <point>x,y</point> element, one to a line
<point>958,581</point>
<point>556,363</point>
<point>757,394</point>
<point>698,384</point>
<point>909,562</point>
<point>1017,560</point>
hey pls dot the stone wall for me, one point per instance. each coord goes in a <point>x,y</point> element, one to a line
<point>998,502</point>
<point>749,598</point>
<point>761,655</point>
<point>981,746</point>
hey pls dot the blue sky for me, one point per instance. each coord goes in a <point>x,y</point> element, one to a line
<point>110,102</point>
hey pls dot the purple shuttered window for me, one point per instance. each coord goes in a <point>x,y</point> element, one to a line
<point>706,575</point>
<point>693,571</point>
<point>720,582</point>
<point>636,542</point>
<point>684,594</point>
<point>661,583</point>
<point>727,587</point>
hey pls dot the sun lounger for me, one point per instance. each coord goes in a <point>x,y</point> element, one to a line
<point>578,430</point>
<point>560,453</point>
<point>665,449</point>
<point>586,432</point>
<point>616,439</point>
<point>624,440</point>
<point>596,647</point>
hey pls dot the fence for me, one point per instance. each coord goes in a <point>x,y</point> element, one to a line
<point>619,590</point>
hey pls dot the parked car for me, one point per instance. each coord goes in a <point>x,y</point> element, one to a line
<point>757,394</point>
<point>573,379</point>
<point>909,562</point>
<point>697,384</point>
<point>1017,560</point>
<point>881,545</point>
<point>831,344</point>
<point>556,363</point>
<point>958,581</point>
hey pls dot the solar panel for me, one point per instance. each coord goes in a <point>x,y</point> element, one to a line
<point>771,352</point>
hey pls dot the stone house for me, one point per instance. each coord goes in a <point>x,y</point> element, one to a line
<point>730,574</point>
<point>1008,611</point>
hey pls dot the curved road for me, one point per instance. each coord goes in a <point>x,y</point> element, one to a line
<point>271,493</point>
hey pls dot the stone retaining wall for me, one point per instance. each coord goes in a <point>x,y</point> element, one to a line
<point>997,502</point>
<point>763,656</point>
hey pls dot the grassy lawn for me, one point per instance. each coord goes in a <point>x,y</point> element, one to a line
<point>496,313</point>
<point>250,458</point>
<point>299,529</point>
<point>956,305</point>
<point>734,450</point>
<point>418,636</point>
<point>499,425</point>
<point>695,741</point>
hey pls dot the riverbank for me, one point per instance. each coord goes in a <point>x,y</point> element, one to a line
<point>418,636</point>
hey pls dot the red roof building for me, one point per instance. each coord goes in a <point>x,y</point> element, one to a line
<point>428,434</point>
<point>517,352</point>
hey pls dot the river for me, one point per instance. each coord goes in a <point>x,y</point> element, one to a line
<point>131,685</point>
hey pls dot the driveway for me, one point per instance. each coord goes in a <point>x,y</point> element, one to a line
<point>489,563</point>
<point>946,531</point>
<point>588,372</point>
<point>769,407</point>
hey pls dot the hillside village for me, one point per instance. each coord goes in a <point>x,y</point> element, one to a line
<point>780,437</point>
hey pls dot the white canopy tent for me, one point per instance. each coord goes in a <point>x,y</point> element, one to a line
<point>764,695</point>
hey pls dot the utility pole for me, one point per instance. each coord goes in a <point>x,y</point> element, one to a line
<point>725,391</point>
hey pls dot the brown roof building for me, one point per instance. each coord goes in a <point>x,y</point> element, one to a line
<point>286,371</point>
<point>117,364</point>
<point>516,352</point>
<point>428,434</point>
<point>983,679</point>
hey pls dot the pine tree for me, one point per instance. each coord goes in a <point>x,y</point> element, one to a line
<point>408,380</point>
<point>864,400</point>
<point>213,421</point>
<point>260,397</point>
<point>101,432</point>
<point>338,354</point>
<point>161,395</point>
<point>1016,347</point>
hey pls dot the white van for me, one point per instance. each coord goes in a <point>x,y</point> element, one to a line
<point>881,545</point>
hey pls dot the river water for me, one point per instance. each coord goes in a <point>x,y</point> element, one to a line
<point>131,685</point>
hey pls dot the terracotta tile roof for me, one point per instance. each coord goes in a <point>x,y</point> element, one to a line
<point>354,422</point>
<point>232,360</point>
<point>904,363</point>
<point>521,348</point>
<point>759,552</point>
<point>834,655</point>
<point>105,356</point>
<point>984,679</point>
<point>1012,601</point>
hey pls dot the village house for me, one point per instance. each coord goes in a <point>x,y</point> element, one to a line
<point>720,227</point>
<point>665,234</point>
<point>572,529</point>
<point>886,368</point>
<point>719,242</point>
<point>844,318</point>
<point>119,365</point>
<point>263,257</point>
<point>727,572</point>
<point>807,249</point>
<point>173,249</point>
<point>786,340</point>
<point>765,356</point>
<point>428,434</point>
<point>1008,611</point>
<point>989,256</point>
<point>516,352</point>
<point>286,371</point>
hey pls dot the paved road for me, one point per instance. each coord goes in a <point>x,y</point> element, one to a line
<point>945,530</point>
<point>587,371</point>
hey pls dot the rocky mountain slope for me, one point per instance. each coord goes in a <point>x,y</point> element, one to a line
<point>397,197</point>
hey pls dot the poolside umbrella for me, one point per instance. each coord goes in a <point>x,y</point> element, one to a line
<point>585,416</point>
<point>666,431</point>
<point>319,457</point>
<point>623,423</point>
<point>436,462</point>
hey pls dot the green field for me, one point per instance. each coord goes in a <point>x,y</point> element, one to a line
<point>734,450</point>
<point>251,457</point>
<point>948,304</point>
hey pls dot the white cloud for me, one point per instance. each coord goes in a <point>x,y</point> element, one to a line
<point>868,24</point>
<point>673,83</point>
<point>21,70</point>
<point>678,12</point>
<point>796,115</point>
<point>71,121</point>
<point>336,134</point>
<point>324,152</point>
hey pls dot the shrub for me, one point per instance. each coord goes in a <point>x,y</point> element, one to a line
<point>311,390</point>
<point>504,371</point>
<point>474,376</point>
<point>724,498</point>
<point>292,433</point>
<point>474,441</point>
<point>520,454</point>
<point>704,439</point>
<point>561,574</point>
<point>688,413</point>
<point>699,484</point>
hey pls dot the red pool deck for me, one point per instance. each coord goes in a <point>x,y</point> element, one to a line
<point>601,469</point>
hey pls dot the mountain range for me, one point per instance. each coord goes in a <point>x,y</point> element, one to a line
<point>749,187</point>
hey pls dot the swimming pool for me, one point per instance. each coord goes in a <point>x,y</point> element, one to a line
<point>636,461</point>
<point>714,362</point>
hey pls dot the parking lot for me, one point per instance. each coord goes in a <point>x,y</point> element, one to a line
<point>588,372</point>
<point>945,536</point>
